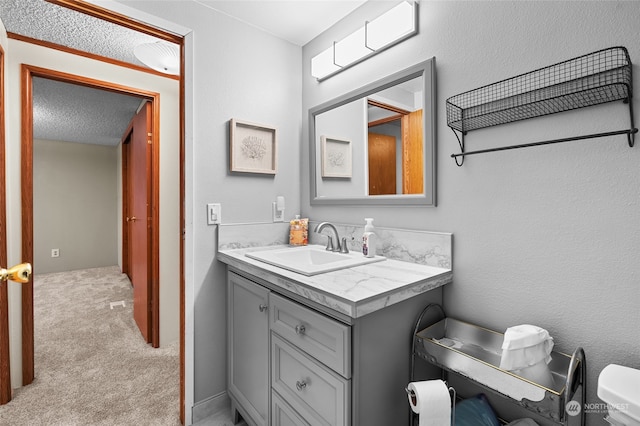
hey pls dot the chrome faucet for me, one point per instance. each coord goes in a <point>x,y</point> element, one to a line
<point>342,248</point>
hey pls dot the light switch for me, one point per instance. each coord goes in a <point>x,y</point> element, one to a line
<point>214,213</point>
<point>278,209</point>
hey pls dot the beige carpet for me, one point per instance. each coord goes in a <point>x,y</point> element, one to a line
<point>92,366</point>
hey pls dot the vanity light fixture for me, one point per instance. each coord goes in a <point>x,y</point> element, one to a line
<point>160,56</point>
<point>392,27</point>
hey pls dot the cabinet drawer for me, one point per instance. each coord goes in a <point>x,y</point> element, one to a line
<point>318,394</point>
<point>282,414</point>
<point>323,338</point>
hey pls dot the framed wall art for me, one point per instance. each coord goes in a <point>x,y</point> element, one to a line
<point>252,148</point>
<point>336,157</point>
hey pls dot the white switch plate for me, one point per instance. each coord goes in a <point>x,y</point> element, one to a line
<point>214,213</point>
<point>278,215</point>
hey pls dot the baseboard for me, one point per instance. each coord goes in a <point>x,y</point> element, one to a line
<point>210,406</point>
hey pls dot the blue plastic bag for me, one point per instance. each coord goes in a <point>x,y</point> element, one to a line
<point>475,411</point>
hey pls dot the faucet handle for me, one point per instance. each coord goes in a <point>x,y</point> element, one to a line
<point>329,243</point>
<point>343,246</point>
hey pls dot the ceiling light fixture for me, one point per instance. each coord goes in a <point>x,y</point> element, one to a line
<point>160,56</point>
<point>392,27</point>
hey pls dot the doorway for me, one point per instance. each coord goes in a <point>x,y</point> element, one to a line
<point>395,150</point>
<point>28,73</point>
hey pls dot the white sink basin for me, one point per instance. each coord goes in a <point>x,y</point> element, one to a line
<point>311,260</point>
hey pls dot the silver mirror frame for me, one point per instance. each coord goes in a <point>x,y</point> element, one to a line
<point>427,70</point>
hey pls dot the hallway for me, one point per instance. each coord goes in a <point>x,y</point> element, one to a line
<point>92,366</point>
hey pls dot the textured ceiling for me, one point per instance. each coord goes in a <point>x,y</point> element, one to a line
<point>69,112</point>
<point>49,22</point>
<point>74,113</point>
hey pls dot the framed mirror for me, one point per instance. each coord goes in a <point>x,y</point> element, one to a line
<point>376,145</point>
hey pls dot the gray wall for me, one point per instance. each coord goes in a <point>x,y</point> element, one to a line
<point>544,235</point>
<point>75,206</point>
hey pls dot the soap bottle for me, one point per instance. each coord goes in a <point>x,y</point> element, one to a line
<point>296,233</point>
<point>369,239</point>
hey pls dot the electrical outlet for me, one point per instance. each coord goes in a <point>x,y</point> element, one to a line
<point>214,213</point>
<point>55,252</point>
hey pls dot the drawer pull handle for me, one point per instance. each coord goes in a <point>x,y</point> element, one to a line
<point>300,329</point>
<point>300,385</point>
<point>262,307</point>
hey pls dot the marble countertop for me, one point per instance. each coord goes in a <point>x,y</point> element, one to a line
<point>355,291</point>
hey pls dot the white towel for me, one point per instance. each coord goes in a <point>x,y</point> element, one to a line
<point>525,345</point>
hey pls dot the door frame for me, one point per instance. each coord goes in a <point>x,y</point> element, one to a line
<point>28,72</point>
<point>5,367</point>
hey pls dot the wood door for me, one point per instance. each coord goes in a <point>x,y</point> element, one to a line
<point>382,164</point>
<point>138,218</point>
<point>412,154</point>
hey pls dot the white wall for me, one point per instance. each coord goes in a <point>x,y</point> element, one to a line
<point>75,195</point>
<point>169,180</point>
<point>544,235</point>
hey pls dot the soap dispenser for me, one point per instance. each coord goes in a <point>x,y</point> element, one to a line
<point>369,239</point>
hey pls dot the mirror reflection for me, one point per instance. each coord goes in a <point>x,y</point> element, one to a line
<point>375,145</point>
<point>394,140</point>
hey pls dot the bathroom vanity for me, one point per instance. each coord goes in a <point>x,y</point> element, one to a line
<point>329,349</point>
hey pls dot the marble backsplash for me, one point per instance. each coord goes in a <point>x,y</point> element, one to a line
<point>421,247</point>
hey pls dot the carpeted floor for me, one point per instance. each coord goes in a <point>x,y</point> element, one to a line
<point>92,366</point>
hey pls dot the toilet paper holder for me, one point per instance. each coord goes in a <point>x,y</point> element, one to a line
<point>452,393</point>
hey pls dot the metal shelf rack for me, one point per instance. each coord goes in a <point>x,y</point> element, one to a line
<point>477,360</point>
<point>592,79</point>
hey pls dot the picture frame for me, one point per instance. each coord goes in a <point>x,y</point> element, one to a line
<point>252,148</point>
<point>336,157</point>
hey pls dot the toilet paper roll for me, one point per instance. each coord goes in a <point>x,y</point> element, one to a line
<point>432,402</point>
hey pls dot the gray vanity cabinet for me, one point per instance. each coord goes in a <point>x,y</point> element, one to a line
<point>248,317</point>
<point>315,366</point>
<point>310,362</point>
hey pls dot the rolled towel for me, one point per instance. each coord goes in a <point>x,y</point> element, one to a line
<point>525,345</point>
<point>526,351</point>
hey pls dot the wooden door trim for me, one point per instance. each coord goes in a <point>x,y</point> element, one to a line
<point>5,367</point>
<point>27,73</point>
<point>118,19</point>
<point>26,176</point>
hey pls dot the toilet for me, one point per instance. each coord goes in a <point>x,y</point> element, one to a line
<point>619,387</point>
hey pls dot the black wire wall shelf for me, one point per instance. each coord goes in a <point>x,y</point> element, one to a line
<point>592,79</point>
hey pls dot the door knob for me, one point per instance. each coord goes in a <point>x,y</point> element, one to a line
<point>132,219</point>
<point>19,273</point>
